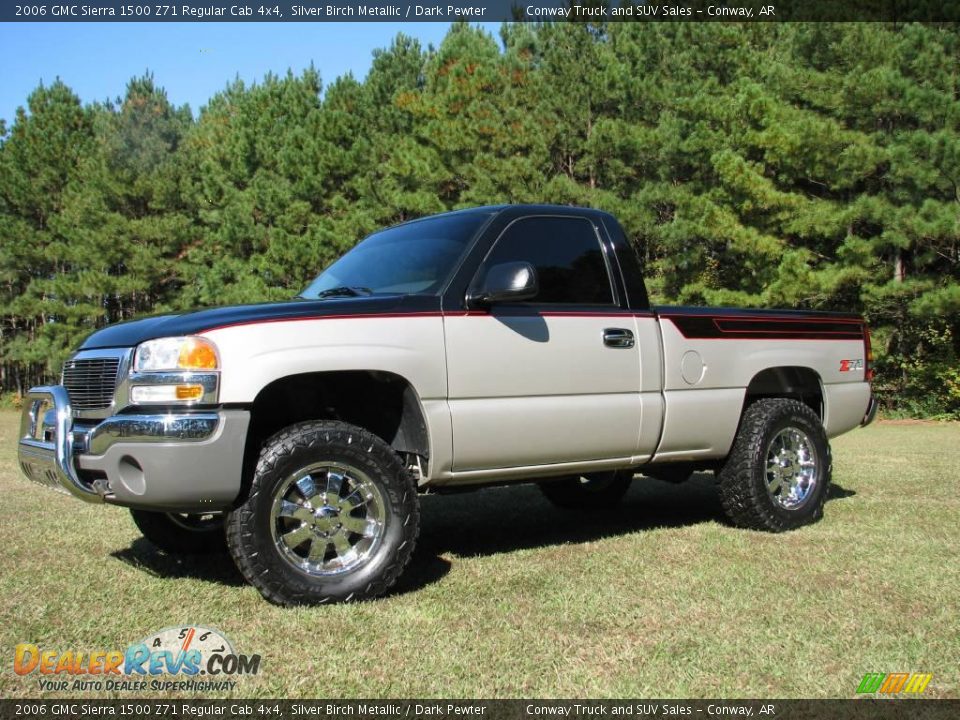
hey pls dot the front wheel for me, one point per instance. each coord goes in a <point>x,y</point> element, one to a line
<point>778,473</point>
<point>182,533</point>
<point>332,516</point>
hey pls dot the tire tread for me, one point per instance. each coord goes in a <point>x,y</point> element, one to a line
<point>306,437</point>
<point>744,500</point>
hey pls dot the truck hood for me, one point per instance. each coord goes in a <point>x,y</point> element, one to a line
<point>128,334</point>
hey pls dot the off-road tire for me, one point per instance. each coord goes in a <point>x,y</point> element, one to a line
<point>742,480</point>
<point>171,533</point>
<point>249,533</point>
<point>593,492</point>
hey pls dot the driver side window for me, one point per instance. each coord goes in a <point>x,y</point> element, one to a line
<point>566,253</point>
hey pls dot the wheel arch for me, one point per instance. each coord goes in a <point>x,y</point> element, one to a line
<point>791,381</point>
<point>384,403</point>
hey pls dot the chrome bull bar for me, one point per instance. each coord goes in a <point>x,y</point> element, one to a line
<point>46,442</point>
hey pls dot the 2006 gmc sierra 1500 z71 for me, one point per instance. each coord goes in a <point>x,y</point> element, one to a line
<point>475,347</point>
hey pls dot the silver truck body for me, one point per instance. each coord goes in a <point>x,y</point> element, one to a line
<point>490,394</point>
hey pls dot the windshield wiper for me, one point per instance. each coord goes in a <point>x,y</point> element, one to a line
<point>344,291</point>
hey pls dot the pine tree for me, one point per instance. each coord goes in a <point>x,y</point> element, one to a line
<point>795,165</point>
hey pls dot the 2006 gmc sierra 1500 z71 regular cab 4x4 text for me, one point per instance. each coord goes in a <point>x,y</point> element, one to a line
<point>477,347</point>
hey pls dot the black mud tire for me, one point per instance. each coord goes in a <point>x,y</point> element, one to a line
<point>249,534</point>
<point>742,480</point>
<point>594,492</point>
<point>180,534</point>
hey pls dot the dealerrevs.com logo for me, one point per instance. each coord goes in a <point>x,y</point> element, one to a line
<point>190,658</point>
<point>892,683</point>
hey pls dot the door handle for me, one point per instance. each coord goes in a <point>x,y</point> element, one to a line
<point>618,338</point>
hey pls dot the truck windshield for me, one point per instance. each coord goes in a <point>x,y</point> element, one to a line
<point>414,258</point>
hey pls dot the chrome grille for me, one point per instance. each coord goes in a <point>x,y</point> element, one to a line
<point>91,382</point>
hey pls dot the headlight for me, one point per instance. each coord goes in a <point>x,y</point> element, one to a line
<point>178,353</point>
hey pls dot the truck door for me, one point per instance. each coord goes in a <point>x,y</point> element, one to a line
<point>556,379</point>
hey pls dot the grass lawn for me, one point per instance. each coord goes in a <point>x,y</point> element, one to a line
<point>507,596</point>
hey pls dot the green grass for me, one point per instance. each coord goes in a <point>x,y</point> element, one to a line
<point>507,596</point>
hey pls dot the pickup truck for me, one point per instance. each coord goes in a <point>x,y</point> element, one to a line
<point>484,346</point>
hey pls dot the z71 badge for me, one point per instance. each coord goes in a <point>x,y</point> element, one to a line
<point>848,365</point>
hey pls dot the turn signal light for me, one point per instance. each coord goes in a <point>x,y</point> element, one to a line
<point>197,354</point>
<point>189,392</point>
<point>165,393</point>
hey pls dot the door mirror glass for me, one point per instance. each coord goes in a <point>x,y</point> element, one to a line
<point>506,282</point>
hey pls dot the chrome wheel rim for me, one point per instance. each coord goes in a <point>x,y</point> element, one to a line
<point>791,475</point>
<point>327,519</point>
<point>207,522</point>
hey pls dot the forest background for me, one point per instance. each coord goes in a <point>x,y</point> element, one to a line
<point>760,165</point>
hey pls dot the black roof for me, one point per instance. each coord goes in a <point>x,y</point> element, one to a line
<point>517,209</point>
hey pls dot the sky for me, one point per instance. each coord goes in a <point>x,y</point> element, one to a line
<point>192,61</point>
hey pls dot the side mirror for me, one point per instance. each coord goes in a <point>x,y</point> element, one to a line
<point>507,282</point>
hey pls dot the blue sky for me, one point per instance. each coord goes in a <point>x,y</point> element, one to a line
<point>192,61</point>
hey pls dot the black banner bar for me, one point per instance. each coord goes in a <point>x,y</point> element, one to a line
<point>867,709</point>
<point>482,11</point>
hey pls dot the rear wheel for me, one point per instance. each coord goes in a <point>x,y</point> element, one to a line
<point>332,515</point>
<point>182,533</point>
<point>778,474</point>
<point>587,492</point>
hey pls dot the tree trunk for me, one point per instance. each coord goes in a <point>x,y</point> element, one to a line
<point>899,270</point>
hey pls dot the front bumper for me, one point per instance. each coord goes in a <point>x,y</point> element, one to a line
<point>163,461</point>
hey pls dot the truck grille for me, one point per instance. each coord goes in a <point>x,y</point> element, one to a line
<point>91,382</point>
